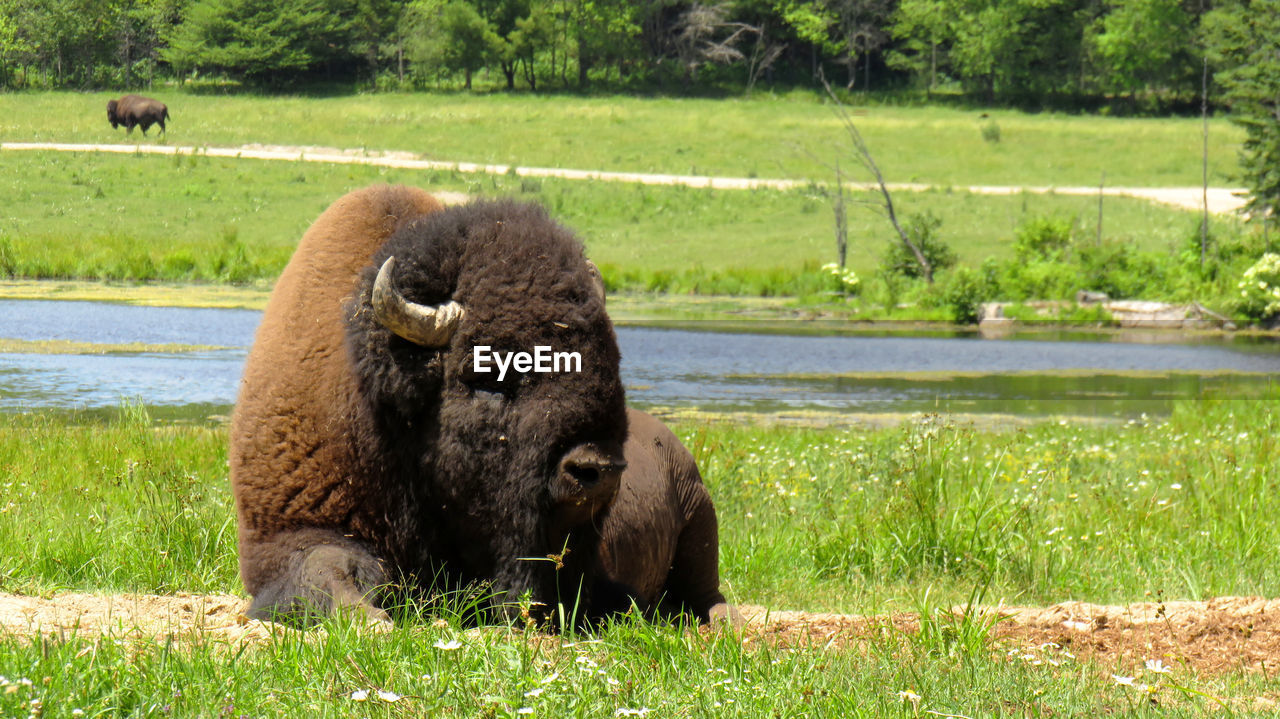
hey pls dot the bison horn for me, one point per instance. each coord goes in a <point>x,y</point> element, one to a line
<point>598,284</point>
<point>420,324</point>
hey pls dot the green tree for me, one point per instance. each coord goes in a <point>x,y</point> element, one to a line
<point>1027,48</point>
<point>603,31</point>
<point>259,41</point>
<point>1244,43</point>
<point>923,29</point>
<point>141,25</point>
<point>10,51</point>
<point>71,43</point>
<point>843,30</point>
<point>534,35</point>
<point>371,25</point>
<point>1139,41</point>
<point>504,17</point>
<point>469,40</point>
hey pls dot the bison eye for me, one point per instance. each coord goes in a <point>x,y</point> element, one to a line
<point>487,386</point>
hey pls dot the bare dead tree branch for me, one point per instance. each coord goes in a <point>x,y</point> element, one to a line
<point>864,156</point>
<point>701,40</point>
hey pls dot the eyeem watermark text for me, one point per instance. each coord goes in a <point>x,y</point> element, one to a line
<point>542,360</point>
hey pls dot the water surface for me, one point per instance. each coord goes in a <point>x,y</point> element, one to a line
<point>675,367</point>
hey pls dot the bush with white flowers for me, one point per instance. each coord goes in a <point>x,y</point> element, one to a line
<point>1260,288</point>
<point>842,278</point>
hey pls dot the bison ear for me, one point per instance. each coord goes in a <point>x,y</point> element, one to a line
<point>425,325</point>
<point>597,283</point>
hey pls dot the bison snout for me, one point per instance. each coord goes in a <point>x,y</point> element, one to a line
<point>590,475</point>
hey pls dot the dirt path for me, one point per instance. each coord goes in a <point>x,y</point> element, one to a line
<point>1219,635</point>
<point>1219,199</point>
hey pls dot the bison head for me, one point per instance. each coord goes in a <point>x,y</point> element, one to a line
<point>505,478</point>
<point>112,116</point>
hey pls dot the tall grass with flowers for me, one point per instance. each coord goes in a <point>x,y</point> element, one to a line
<point>859,521</point>
<point>916,518</point>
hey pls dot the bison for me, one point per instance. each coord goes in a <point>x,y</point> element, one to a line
<point>369,451</point>
<point>133,110</point>
<point>660,545</point>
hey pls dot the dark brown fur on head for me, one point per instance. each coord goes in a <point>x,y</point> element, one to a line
<point>475,460</point>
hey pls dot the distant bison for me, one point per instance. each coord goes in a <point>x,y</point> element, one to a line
<point>133,110</point>
<point>369,449</point>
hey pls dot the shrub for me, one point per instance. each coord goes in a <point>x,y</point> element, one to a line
<point>1042,238</point>
<point>1040,280</point>
<point>1260,289</point>
<point>964,293</point>
<point>1116,269</point>
<point>922,229</point>
<point>842,279</point>
<point>991,132</point>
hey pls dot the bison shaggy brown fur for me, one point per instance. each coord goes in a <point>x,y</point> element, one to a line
<point>660,544</point>
<point>132,110</point>
<point>361,459</point>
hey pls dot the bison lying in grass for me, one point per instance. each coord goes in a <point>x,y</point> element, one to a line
<point>132,110</point>
<point>368,450</point>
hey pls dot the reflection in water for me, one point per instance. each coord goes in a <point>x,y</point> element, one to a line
<point>122,324</point>
<point>40,380</point>
<point>674,368</point>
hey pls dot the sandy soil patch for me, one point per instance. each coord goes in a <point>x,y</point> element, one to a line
<point>1210,637</point>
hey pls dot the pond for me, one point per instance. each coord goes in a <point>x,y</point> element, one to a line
<point>675,368</point>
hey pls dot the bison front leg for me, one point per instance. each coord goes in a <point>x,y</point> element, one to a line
<point>325,575</point>
<point>693,585</point>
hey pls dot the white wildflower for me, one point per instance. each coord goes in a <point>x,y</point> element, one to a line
<point>906,695</point>
<point>448,646</point>
<point>359,695</point>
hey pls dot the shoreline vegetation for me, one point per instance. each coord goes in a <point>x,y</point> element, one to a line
<point>727,313</point>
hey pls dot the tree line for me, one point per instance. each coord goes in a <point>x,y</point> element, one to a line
<point>1019,50</point>
<point>1140,54</point>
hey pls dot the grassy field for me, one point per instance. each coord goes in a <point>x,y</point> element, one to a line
<point>791,135</point>
<point>100,216</point>
<point>927,514</point>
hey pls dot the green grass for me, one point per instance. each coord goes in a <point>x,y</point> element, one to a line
<point>818,519</point>
<point>629,669</point>
<point>137,507</point>
<point>792,135</point>
<point>921,516</point>
<point>102,216</point>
